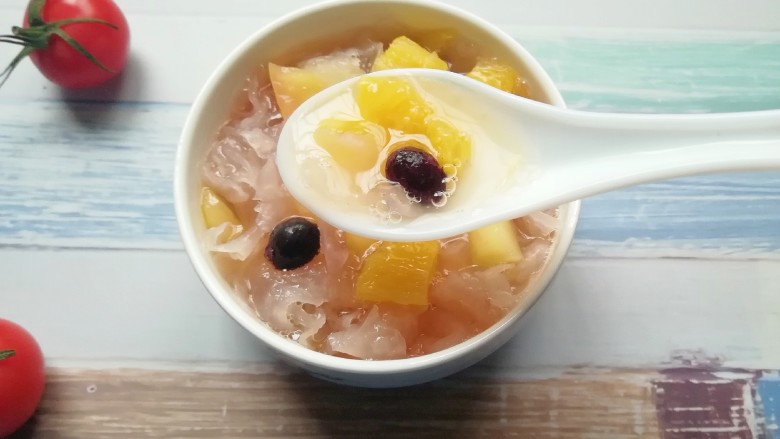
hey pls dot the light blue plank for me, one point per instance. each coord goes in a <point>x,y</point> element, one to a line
<point>88,174</point>
<point>769,391</point>
<point>730,212</point>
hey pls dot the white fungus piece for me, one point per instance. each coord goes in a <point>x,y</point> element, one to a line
<point>238,248</point>
<point>372,339</point>
<point>353,61</point>
<point>290,300</point>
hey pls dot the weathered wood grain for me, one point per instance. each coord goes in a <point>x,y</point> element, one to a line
<point>278,404</point>
<point>702,402</point>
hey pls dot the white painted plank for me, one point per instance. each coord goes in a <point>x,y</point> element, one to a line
<point>665,14</point>
<point>95,308</point>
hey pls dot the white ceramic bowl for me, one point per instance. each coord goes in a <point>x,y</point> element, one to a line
<point>210,110</point>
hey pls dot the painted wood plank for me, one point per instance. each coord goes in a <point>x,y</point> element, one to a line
<point>113,164</point>
<point>701,403</point>
<point>715,216</point>
<point>769,390</point>
<point>682,403</point>
<point>81,174</point>
<point>665,14</point>
<point>667,74</point>
<point>279,404</point>
<point>118,308</point>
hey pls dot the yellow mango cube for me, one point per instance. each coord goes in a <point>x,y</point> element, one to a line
<point>495,244</point>
<point>452,146</point>
<point>398,272</point>
<point>216,211</point>
<point>405,53</point>
<point>495,74</point>
<point>393,103</point>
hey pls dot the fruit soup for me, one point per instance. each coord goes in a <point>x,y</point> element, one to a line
<point>348,295</point>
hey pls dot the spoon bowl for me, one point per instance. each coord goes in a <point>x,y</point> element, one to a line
<point>566,155</point>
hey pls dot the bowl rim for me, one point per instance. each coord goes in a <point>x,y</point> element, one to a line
<point>300,354</point>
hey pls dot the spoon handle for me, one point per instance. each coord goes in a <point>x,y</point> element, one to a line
<point>596,152</point>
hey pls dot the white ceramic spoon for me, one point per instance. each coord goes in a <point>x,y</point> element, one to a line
<point>571,155</point>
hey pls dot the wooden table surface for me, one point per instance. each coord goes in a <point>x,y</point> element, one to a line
<point>664,321</point>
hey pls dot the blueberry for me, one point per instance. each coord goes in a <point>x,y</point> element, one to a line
<point>418,172</point>
<point>293,242</point>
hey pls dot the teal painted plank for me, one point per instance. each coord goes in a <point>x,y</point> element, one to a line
<point>663,76</point>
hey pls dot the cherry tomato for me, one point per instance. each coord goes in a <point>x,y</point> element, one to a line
<point>74,43</point>
<point>22,376</point>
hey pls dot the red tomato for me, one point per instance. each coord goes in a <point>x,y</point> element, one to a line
<point>64,65</point>
<point>22,377</point>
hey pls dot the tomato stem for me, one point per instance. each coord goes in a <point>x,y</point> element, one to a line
<point>35,13</point>
<point>38,33</point>
<point>5,39</point>
<point>8,353</point>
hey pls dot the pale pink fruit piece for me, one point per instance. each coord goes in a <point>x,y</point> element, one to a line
<point>500,294</point>
<point>454,254</point>
<point>539,224</point>
<point>440,329</point>
<point>465,294</point>
<point>535,256</point>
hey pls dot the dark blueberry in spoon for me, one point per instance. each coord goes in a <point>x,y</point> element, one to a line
<point>293,242</point>
<point>418,172</point>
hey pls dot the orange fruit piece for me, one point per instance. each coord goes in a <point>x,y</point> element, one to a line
<point>405,53</point>
<point>393,103</point>
<point>452,146</point>
<point>398,272</point>
<point>495,74</point>
<point>294,85</point>
<point>358,245</point>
